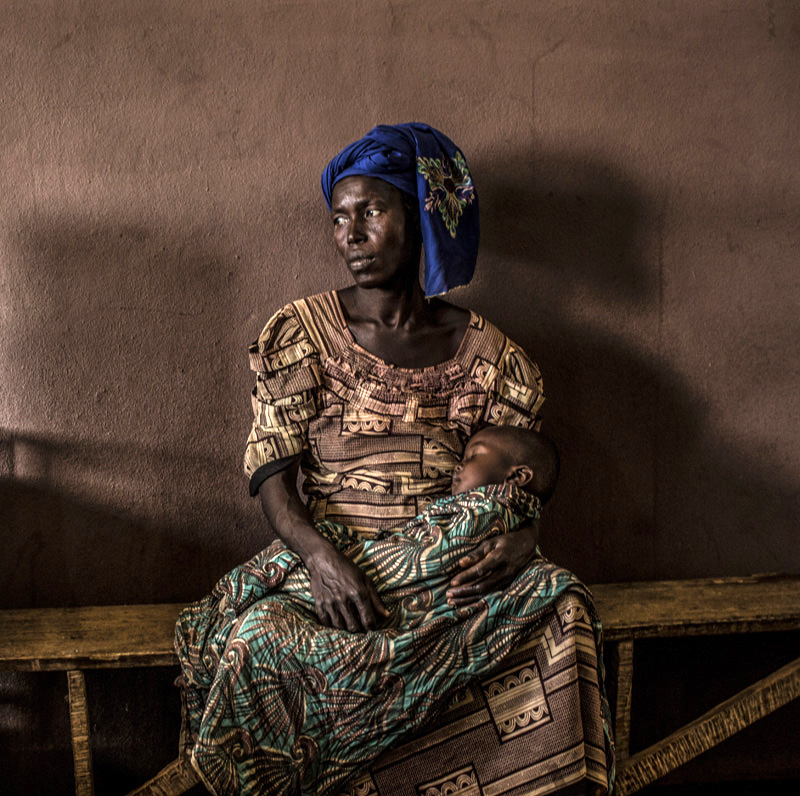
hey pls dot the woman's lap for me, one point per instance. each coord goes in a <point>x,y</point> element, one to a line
<point>285,697</point>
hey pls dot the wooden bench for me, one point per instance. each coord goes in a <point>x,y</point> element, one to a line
<point>74,639</point>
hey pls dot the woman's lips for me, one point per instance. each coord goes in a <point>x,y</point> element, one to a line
<point>360,262</point>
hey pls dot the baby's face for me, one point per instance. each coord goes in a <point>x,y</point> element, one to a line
<point>485,462</point>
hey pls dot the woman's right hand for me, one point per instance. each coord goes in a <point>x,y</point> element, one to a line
<point>344,597</point>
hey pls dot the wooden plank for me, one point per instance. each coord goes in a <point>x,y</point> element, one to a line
<point>173,780</point>
<point>115,636</point>
<point>703,606</point>
<point>141,635</point>
<point>711,728</point>
<point>79,728</point>
<point>621,694</point>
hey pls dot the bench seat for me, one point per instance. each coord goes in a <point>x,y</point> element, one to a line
<point>125,636</point>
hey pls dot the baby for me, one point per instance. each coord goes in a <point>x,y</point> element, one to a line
<point>504,477</point>
<point>508,455</point>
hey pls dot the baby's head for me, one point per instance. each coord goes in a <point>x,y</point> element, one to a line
<point>508,455</point>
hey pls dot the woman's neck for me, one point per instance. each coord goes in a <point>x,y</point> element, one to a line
<point>391,308</point>
<point>404,328</point>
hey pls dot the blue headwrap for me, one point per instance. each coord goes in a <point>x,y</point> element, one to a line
<point>425,163</point>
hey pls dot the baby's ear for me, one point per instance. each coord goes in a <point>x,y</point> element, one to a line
<point>520,475</point>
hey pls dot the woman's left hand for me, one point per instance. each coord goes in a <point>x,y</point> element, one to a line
<point>492,565</point>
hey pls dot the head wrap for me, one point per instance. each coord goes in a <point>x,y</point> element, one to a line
<point>421,161</point>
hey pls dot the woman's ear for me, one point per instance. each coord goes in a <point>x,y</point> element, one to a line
<point>520,475</point>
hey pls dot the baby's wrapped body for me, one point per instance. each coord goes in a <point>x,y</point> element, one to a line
<point>292,706</point>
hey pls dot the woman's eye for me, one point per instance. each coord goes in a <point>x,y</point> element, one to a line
<point>338,221</point>
<point>372,212</point>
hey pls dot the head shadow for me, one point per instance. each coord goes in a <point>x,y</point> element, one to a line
<point>650,487</point>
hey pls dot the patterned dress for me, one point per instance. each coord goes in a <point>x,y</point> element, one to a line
<point>378,442</point>
<point>276,703</point>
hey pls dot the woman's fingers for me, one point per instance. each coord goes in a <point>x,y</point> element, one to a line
<point>350,621</point>
<point>366,615</point>
<point>475,572</point>
<point>370,607</point>
<point>320,606</point>
<point>322,614</point>
<point>344,597</point>
<point>490,567</point>
<point>477,564</point>
<point>334,619</point>
<point>463,602</point>
<point>472,558</point>
<point>366,601</point>
<point>377,603</point>
<point>359,613</point>
<point>472,592</point>
<point>480,586</point>
<point>339,616</point>
<point>493,581</point>
<point>331,612</point>
<point>483,577</point>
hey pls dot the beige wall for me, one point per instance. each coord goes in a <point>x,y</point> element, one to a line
<point>637,164</point>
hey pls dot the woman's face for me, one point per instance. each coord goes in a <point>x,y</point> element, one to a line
<point>371,233</point>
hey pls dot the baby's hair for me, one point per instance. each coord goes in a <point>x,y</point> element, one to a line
<point>525,446</point>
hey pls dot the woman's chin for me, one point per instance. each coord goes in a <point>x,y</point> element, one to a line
<point>376,273</point>
<point>366,280</point>
<point>366,276</point>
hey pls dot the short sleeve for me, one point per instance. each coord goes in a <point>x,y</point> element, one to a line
<point>287,368</point>
<point>517,393</point>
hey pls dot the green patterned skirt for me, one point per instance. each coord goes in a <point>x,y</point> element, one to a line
<point>276,703</point>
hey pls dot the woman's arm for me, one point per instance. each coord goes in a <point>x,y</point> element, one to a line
<point>344,597</point>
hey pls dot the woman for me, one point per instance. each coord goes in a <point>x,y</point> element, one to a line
<point>373,391</point>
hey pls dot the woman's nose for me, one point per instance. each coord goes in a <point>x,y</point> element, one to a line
<point>355,231</point>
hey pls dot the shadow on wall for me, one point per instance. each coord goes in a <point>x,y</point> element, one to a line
<point>123,347</point>
<point>648,489</point>
<point>112,319</point>
<point>64,550</point>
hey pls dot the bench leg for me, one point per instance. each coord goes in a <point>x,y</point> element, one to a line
<point>711,728</point>
<point>173,780</point>
<point>79,726</point>
<point>621,688</point>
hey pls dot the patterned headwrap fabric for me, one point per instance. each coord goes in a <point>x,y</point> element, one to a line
<point>421,161</point>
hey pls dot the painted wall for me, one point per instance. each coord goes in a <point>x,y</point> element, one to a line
<point>638,171</point>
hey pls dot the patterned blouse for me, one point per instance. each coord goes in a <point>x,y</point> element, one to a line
<point>378,442</point>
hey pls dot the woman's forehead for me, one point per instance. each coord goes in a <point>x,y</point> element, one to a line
<point>360,188</point>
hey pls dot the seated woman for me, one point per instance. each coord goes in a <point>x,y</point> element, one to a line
<point>373,391</point>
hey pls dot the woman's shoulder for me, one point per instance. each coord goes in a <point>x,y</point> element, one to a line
<point>494,348</point>
<point>510,379</point>
<point>310,326</point>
